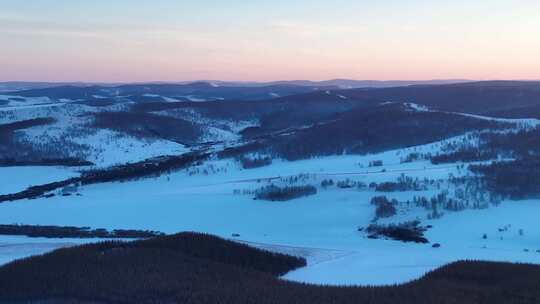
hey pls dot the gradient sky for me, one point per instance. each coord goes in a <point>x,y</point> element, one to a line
<point>173,40</point>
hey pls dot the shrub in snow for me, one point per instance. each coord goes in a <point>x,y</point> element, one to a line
<point>405,232</point>
<point>327,183</point>
<point>275,193</point>
<point>384,207</point>
<point>404,183</point>
<point>348,184</point>
<point>411,158</point>
<point>257,162</point>
<point>376,163</point>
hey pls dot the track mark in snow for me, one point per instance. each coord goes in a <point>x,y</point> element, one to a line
<point>521,122</point>
<point>312,255</point>
<point>364,173</point>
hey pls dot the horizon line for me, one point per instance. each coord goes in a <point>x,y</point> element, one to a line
<point>268,81</point>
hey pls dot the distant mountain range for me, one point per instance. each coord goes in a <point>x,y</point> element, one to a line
<point>10,86</point>
<point>341,83</point>
<point>470,97</point>
<point>196,91</point>
<point>348,83</point>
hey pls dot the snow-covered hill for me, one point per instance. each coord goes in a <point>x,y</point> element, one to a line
<point>327,155</point>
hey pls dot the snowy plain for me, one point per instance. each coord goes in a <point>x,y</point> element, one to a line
<point>323,228</point>
<point>15,179</point>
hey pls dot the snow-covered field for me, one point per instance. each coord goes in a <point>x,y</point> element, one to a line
<point>380,262</point>
<point>15,179</point>
<point>323,227</point>
<point>18,247</point>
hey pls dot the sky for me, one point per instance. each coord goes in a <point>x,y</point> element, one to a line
<point>256,40</point>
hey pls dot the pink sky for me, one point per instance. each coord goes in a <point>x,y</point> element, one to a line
<point>172,41</point>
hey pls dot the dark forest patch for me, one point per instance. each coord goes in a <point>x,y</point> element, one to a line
<point>196,268</point>
<point>517,179</point>
<point>146,125</point>
<point>10,145</point>
<point>372,130</point>
<point>463,155</point>
<point>474,97</point>
<point>6,130</point>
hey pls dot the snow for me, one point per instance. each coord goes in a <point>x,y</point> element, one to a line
<point>213,134</point>
<point>322,228</point>
<point>30,106</point>
<point>167,99</point>
<point>193,98</point>
<point>15,179</point>
<point>101,146</point>
<point>417,107</point>
<point>385,263</point>
<point>21,103</point>
<point>521,123</point>
<point>215,130</point>
<point>112,148</point>
<point>14,251</point>
<point>18,247</point>
<point>20,100</point>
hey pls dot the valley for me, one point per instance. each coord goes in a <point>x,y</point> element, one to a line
<point>346,150</point>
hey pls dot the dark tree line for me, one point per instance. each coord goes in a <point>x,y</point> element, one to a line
<point>254,162</point>
<point>150,167</point>
<point>74,232</point>
<point>404,183</point>
<point>37,191</point>
<point>275,193</point>
<point>465,155</point>
<point>68,162</point>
